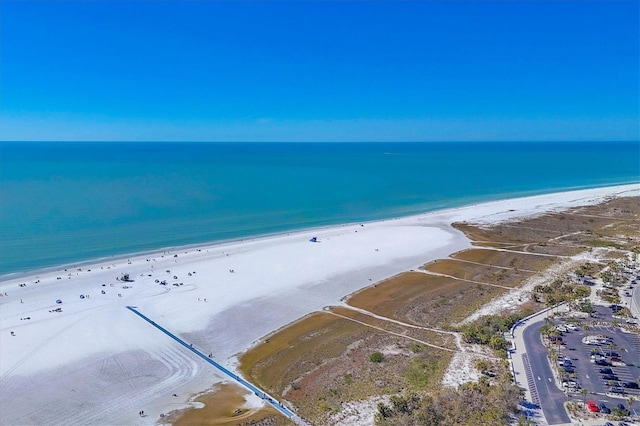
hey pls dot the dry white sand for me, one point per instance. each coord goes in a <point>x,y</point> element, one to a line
<point>98,363</point>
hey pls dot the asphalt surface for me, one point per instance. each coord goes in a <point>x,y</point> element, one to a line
<point>627,345</point>
<point>551,398</point>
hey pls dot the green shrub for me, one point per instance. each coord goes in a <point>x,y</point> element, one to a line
<point>376,357</point>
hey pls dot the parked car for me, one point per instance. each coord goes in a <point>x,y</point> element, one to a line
<point>564,362</point>
<point>616,389</point>
<point>592,407</point>
<point>606,370</point>
<point>604,409</point>
<point>609,377</point>
<point>630,385</point>
<point>602,362</point>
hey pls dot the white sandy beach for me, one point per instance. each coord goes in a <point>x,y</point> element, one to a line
<point>95,362</point>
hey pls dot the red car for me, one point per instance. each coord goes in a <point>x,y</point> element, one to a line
<point>593,406</point>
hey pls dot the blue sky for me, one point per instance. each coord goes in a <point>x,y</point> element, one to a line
<point>319,70</point>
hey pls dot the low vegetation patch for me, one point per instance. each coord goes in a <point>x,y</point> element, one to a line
<point>376,357</point>
<point>225,405</point>
<point>422,299</point>
<point>560,290</point>
<point>489,330</point>
<point>471,404</point>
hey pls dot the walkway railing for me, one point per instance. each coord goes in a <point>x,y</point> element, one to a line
<point>262,394</point>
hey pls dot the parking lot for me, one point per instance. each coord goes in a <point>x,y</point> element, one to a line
<point>601,359</point>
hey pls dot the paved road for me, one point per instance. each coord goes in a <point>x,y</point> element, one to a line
<point>551,398</point>
<point>268,398</point>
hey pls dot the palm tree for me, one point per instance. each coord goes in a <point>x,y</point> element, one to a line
<point>584,393</point>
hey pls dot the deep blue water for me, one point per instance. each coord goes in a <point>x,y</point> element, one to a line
<point>67,202</point>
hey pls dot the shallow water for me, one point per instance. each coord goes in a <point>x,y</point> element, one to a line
<point>67,202</point>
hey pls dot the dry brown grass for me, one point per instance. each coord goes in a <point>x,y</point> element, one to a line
<point>478,273</point>
<point>553,249</point>
<point>505,259</point>
<point>443,340</point>
<point>273,365</point>
<point>220,405</point>
<point>422,299</point>
<point>613,223</point>
<point>323,360</point>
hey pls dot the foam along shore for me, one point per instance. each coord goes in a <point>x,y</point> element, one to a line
<point>89,360</point>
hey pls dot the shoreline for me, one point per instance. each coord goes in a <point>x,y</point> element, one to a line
<point>496,198</point>
<point>227,242</point>
<point>242,292</point>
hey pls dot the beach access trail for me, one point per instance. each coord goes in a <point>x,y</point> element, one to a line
<point>88,360</point>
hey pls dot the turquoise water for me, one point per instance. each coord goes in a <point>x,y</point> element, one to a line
<point>67,202</point>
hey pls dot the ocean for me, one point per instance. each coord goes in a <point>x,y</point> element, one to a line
<point>63,202</point>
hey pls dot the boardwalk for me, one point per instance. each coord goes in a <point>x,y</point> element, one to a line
<point>268,398</point>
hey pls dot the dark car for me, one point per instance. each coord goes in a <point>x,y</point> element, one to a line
<point>621,406</point>
<point>609,377</point>
<point>602,362</point>
<point>606,370</point>
<point>630,385</point>
<point>604,409</point>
